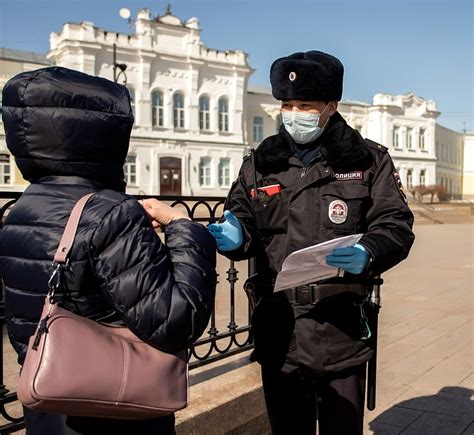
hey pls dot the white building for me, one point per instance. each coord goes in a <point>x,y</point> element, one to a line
<point>189,133</point>
<point>449,165</point>
<point>468,169</point>
<point>196,115</point>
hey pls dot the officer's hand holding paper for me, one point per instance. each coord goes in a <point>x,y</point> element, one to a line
<point>353,259</point>
<point>308,265</point>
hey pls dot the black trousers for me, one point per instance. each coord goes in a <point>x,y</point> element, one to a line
<point>295,401</point>
<point>42,423</point>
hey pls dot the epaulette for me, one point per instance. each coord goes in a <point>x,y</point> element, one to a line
<point>376,145</point>
<point>247,157</point>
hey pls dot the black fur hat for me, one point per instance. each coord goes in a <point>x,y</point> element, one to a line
<point>313,75</point>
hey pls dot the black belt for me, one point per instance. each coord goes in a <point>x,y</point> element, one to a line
<point>310,294</point>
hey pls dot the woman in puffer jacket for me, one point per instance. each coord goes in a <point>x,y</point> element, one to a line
<point>69,133</point>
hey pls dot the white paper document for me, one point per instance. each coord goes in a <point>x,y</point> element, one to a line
<point>308,265</point>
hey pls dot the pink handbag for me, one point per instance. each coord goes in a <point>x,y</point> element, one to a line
<point>77,366</point>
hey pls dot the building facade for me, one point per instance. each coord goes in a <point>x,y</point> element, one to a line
<point>189,100</point>
<point>468,169</point>
<point>196,115</point>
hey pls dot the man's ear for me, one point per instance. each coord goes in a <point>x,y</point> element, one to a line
<point>332,107</point>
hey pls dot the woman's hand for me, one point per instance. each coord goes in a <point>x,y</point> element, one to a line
<point>160,213</point>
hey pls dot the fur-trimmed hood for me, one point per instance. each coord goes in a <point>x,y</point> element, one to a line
<point>342,147</point>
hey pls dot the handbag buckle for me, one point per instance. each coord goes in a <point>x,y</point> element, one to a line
<point>55,279</point>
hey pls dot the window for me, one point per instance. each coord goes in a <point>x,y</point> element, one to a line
<point>396,137</point>
<point>204,114</point>
<point>409,138</point>
<point>421,139</point>
<point>157,111</point>
<point>224,172</point>
<point>257,129</point>
<point>132,99</point>
<point>422,177</point>
<point>178,110</point>
<point>130,170</point>
<point>205,172</point>
<point>223,115</point>
<point>409,178</point>
<point>5,175</point>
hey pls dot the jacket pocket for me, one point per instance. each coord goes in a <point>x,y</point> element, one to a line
<point>271,212</point>
<point>328,334</point>
<point>343,207</point>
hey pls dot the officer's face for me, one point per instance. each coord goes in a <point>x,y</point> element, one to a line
<point>311,107</point>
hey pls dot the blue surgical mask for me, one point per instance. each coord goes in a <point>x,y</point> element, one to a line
<point>302,126</point>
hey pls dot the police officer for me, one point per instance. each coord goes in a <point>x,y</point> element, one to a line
<point>315,180</point>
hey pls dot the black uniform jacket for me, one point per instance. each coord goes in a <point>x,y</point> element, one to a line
<point>351,188</point>
<point>69,140</point>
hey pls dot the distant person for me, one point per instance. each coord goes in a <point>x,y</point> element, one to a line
<point>317,180</point>
<point>69,133</point>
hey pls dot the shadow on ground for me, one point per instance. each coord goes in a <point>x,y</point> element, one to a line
<point>449,412</point>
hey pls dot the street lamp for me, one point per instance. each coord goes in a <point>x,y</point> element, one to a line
<point>125,14</point>
<point>121,66</point>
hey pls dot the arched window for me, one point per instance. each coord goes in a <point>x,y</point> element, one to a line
<point>396,137</point>
<point>5,169</point>
<point>205,172</point>
<point>257,128</point>
<point>157,109</point>
<point>204,113</point>
<point>422,177</point>
<point>178,110</point>
<point>130,169</point>
<point>409,178</point>
<point>223,114</point>
<point>224,172</point>
<point>421,139</point>
<point>132,99</point>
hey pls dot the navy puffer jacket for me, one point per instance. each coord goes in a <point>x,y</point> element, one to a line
<point>69,133</point>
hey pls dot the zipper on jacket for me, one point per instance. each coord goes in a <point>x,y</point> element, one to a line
<point>305,169</point>
<point>43,329</point>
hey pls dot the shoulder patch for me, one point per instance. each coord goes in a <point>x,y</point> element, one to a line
<point>398,182</point>
<point>376,145</point>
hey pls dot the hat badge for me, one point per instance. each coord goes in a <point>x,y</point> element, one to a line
<point>292,76</point>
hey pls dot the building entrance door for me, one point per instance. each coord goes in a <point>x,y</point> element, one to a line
<point>170,176</point>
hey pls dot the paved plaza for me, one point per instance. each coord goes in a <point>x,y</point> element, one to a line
<point>425,366</point>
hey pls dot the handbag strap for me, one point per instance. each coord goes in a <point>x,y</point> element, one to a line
<point>69,234</point>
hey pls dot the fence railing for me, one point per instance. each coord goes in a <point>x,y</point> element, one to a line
<point>217,343</point>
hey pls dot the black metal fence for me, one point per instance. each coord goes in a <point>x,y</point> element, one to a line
<point>213,346</point>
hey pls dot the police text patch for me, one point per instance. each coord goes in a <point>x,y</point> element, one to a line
<point>354,175</point>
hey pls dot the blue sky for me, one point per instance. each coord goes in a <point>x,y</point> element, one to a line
<point>389,46</point>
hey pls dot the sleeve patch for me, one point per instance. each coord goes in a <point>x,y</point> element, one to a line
<point>398,182</point>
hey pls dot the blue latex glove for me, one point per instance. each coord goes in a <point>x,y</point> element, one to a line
<point>353,259</point>
<point>228,234</point>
